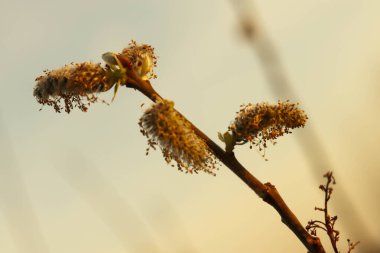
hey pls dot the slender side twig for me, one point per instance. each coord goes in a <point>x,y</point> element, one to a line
<point>329,221</point>
<point>351,245</point>
<point>266,192</point>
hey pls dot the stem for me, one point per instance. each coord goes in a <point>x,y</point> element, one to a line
<point>266,192</point>
<point>329,227</point>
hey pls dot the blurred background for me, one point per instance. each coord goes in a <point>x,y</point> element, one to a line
<point>82,183</point>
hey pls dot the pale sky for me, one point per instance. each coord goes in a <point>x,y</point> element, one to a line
<point>82,183</point>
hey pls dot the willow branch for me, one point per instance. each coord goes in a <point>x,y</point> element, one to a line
<point>267,192</point>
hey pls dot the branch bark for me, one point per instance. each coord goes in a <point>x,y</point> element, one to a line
<point>267,192</point>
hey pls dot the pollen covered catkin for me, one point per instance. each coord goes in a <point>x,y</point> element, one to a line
<point>165,127</point>
<point>77,84</point>
<point>143,59</point>
<point>258,123</point>
<point>72,83</point>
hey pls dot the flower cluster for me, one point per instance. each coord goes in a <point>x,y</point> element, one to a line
<point>258,123</point>
<point>165,127</point>
<point>74,84</point>
<point>142,58</point>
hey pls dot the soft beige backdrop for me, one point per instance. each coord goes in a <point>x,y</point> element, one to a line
<point>82,183</point>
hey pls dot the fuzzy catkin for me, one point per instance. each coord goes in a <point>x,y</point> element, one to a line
<point>73,79</point>
<point>77,84</point>
<point>72,83</point>
<point>143,59</point>
<point>165,127</point>
<point>258,123</point>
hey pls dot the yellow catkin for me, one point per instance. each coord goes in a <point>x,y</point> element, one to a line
<point>165,127</point>
<point>142,58</point>
<point>258,123</point>
<point>71,84</point>
<point>76,84</point>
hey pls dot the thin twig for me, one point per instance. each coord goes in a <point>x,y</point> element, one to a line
<point>351,245</point>
<point>329,223</point>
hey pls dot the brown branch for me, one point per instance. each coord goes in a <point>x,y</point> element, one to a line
<point>266,192</point>
<point>330,221</point>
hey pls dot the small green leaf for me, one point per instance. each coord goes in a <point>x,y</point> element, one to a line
<point>115,90</point>
<point>230,141</point>
<point>109,58</point>
<point>220,136</point>
<point>227,137</point>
